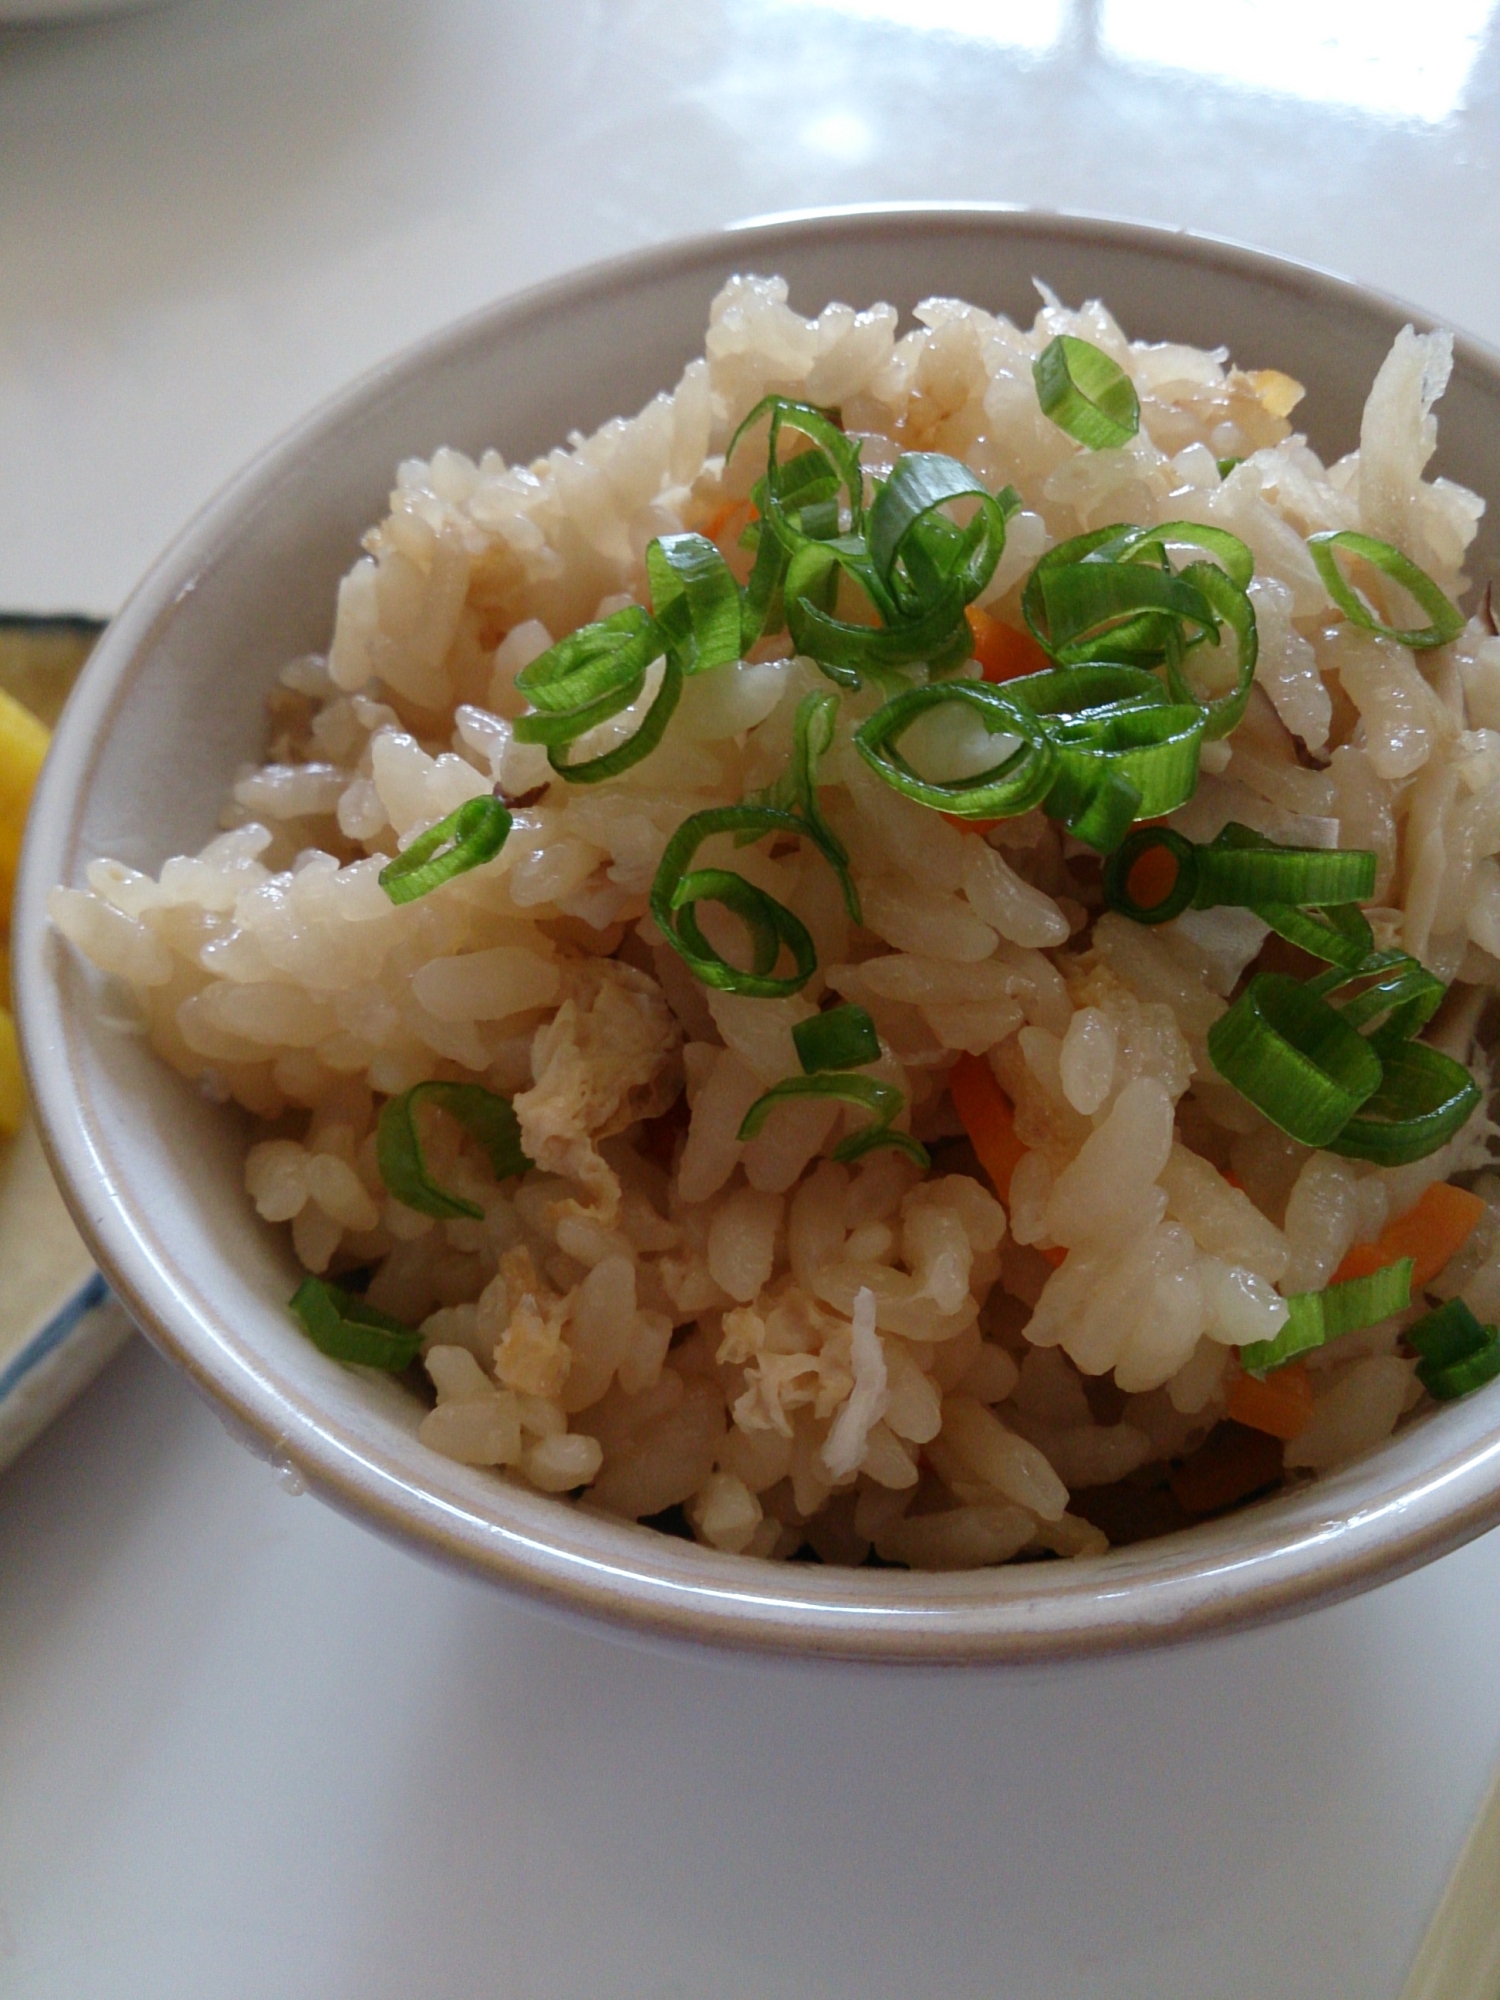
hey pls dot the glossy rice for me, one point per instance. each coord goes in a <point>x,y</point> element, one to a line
<point>795,1353</point>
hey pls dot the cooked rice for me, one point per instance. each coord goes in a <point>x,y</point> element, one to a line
<point>799,1354</point>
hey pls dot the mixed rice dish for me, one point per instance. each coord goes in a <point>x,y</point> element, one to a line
<point>889,960</point>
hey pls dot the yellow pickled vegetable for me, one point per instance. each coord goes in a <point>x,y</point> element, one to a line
<point>12,1093</point>
<point>23,745</point>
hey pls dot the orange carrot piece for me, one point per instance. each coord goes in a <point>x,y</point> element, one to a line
<point>723,516</point>
<point>1281,1405</point>
<point>1003,653</point>
<point>1436,1229</point>
<point>988,1119</point>
<point>1053,1252</point>
<point>1153,878</point>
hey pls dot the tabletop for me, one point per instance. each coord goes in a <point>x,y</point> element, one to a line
<point>247,1749</point>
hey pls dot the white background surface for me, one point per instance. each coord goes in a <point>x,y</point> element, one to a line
<point>245,1749</point>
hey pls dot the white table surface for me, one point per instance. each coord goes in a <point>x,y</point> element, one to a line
<point>248,1750</point>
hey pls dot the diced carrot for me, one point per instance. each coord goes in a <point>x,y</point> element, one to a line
<point>969,825</point>
<point>1436,1229</point>
<point>1152,878</point>
<point>1232,1464</point>
<point>1053,1252</point>
<point>989,1119</point>
<point>1003,653</point>
<point>723,519</point>
<point>1280,1406</point>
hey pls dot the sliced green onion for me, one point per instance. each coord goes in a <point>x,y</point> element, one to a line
<point>346,1328</point>
<point>1400,998</point>
<point>1340,933</point>
<point>796,790</point>
<point>1020,780</point>
<point>1227,465</point>
<point>1447,619</point>
<point>1424,1099</point>
<point>1318,1317</point>
<point>1232,555</point>
<point>1089,604</point>
<point>467,838</point>
<point>1458,1352</point>
<point>484,1115</point>
<point>1287,1051</point>
<point>1112,594</point>
<point>676,892</point>
<point>797,501</point>
<point>1243,869</point>
<point>918,569</point>
<point>1234,609</point>
<point>1120,765</point>
<point>1085,393</point>
<point>882,1100</point>
<point>1121,865</point>
<point>840,1038</point>
<point>696,602</point>
<point>593,673</point>
<point>915,549</point>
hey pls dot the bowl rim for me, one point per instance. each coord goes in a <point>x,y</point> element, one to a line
<point>1312,1546</point>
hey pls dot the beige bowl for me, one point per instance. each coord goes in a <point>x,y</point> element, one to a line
<point>173,701</point>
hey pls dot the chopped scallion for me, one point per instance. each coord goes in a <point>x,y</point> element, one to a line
<point>883,1101</point>
<point>1287,1051</point>
<point>840,1038</point>
<point>1318,1317</point>
<point>1446,620</point>
<point>474,834</point>
<point>1457,1352</point>
<point>484,1115</point>
<point>1085,393</point>
<point>345,1328</point>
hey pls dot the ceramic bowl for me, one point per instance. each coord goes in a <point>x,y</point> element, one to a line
<point>173,701</point>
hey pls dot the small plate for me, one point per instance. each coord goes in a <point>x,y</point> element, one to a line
<point>58,1322</point>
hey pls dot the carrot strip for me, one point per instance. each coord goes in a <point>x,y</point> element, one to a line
<point>1003,653</point>
<point>1281,1405</point>
<point>722,516</point>
<point>988,1119</point>
<point>1432,1232</point>
<point>1053,1252</point>
<point>1153,878</point>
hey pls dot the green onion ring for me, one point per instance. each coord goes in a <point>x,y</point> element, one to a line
<point>695,601</point>
<point>882,1100</point>
<point>796,790</point>
<point>1086,394</point>
<point>839,1038</point>
<point>1447,619</point>
<point>345,1328</point>
<point>1234,608</point>
<point>1318,1317</point>
<point>675,891</point>
<point>1458,1352</point>
<point>1121,864</point>
<point>466,839</point>
<point>1021,780</point>
<point>1423,1100</point>
<point>1294,1058</point>
<point>484,1114</point>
